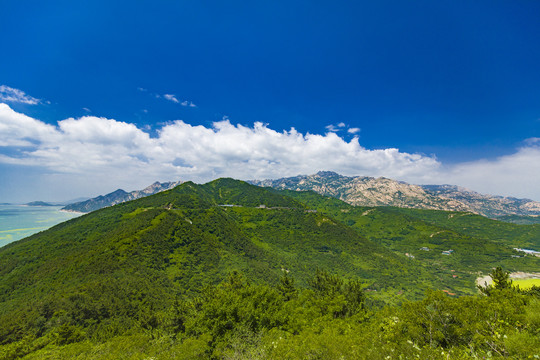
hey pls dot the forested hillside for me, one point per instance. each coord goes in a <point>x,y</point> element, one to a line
<point>231,270</point>
<point>453,247</point>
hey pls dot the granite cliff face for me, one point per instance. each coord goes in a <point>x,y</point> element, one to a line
<point>369,191</point>
<point>119,196</point>
<point>487,205</point>
<point>366,191</point>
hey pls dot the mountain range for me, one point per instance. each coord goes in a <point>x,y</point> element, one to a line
<point>369,191</point>
<point>119,196</point>
<point>364,191</point>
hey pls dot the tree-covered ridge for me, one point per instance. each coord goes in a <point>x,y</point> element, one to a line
<point>234,192</point>
<point>516,235</point>
<point>108,270</point>
<point>454,248</point>
<point>148,270</point>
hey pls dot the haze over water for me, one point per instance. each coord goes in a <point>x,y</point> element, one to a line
<point>20,221</point>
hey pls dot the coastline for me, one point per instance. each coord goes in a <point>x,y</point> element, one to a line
<point>18,221</point>
<point>72,211</point>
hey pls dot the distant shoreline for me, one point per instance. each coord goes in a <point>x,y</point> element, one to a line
<point>72,211</point>
<point>20,221</point>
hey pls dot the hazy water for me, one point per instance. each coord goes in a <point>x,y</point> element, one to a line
<point>20,221</point>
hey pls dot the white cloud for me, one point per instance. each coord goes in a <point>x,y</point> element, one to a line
<point>514,175</point>
<point>341,127</point>
<point>532,141</point>
<point>188,103</point>
<point>171,97</point>
<point>20,130</point>
<point>114,151</point>
<point>96,155</point>
<point>87,109</point>
<point>17,96</point>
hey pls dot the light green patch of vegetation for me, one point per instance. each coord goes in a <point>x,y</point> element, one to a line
<point>526,283</point>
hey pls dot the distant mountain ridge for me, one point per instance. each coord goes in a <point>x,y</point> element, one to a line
<point>487,205</point>
<point>369,191</point>
<point>119,196</point>
<point>361,191</point>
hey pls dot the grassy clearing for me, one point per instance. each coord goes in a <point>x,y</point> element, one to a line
<point>526,283</point>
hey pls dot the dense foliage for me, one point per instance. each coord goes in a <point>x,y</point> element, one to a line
<point>478,226</point>
<point>327,320</point>
<point>477,244</point>
<point>305,277</point>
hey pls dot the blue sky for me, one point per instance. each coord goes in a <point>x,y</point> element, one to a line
<point>423,91</point>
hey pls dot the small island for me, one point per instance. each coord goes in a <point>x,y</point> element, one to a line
<point>39,203</point>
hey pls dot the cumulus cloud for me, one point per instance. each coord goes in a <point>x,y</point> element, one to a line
<point>99,153</point>
<point>514,174</point>
<point>532,141</point>
<point>20,130</point>
<point>353,130</point>
<point>10,94</point>
<point>93,145</point>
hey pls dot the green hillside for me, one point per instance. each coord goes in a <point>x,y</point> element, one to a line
<point>521,220</point>
<point>145,274</point>
<point>477,244</point>
<point>101,269</point>
<point>514,235</point>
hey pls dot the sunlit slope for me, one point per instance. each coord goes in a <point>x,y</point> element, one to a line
<point>515,235</point>
<point>452,247</point>
<point>118,265</point>
<point>192,235</point>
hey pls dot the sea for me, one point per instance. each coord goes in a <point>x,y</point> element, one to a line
<point>20,221</point>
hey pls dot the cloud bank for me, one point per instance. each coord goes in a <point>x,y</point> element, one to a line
<point>514,175</point>
<point>103,154</point>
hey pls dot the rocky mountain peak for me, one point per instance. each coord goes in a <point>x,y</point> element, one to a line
<point>369,191</point>
<point>119,196</point>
